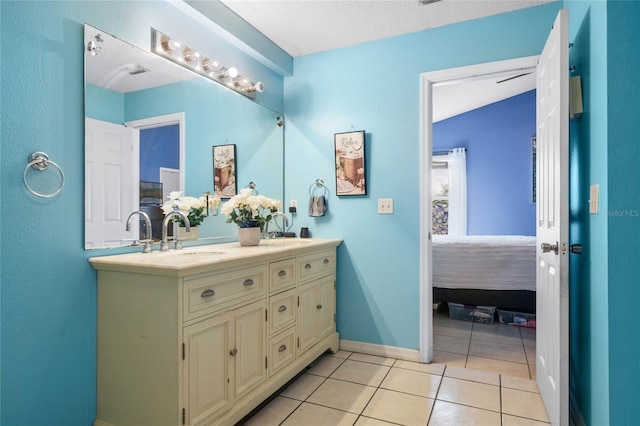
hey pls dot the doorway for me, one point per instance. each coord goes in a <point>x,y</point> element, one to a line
<point>428,83</point>
<point>162,133</point>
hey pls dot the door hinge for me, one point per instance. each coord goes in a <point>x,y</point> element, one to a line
<point>298,342</point>
<point>265,362</point>
<point>298,300</point>
<point>334,284</point>
<point>184,416</point>
<point>334,318</point>
<point>265,314</point>
<point>184,351</point>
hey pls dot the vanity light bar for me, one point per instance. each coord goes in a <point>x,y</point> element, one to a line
<point>196,61</point>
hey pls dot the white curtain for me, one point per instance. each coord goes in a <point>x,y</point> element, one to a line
<point>457,166</point>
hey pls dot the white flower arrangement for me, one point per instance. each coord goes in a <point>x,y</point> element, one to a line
<point>247,210</point>
<point>194,208</point>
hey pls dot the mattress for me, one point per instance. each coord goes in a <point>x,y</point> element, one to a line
<point>493,262</point>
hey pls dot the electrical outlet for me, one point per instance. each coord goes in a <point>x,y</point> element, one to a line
<point>385,205</point>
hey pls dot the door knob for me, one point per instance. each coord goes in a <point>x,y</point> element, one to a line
<point>546,247</point>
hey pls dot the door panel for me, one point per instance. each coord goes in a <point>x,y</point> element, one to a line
<point>552,171</point>
<point>110,195</point>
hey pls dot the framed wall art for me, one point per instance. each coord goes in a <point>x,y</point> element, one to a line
<point>350,163</point>
<point>224,171</point>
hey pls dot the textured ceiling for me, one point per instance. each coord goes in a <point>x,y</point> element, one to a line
<point>302,27</point>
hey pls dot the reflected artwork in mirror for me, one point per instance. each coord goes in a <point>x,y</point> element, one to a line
<point>225,184</point>
<point>150,123</point>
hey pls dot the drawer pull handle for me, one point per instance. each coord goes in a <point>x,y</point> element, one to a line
<point>307,266</point>
<point>248,282</point>
<point>233,352</point>
<point>282,273</point>
<point>319,306</point>
<point>326,261</point>
<point>208,293</point>
<point>282,348</point>
<point>282,308</point>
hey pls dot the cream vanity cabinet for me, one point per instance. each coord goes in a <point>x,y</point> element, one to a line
<point>202,336</point>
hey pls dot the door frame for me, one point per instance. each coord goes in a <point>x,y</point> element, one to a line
<point>427,83</point>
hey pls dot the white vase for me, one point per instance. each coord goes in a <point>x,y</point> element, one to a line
<point>184,235</point>
<point>249,236</point>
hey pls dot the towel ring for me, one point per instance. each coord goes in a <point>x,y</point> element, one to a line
<point>319,183</point>
<point>254,188</point>
<point>40,161</point>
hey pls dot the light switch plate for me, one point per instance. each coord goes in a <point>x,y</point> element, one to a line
<point>385,205</point>
<point>593,199</point>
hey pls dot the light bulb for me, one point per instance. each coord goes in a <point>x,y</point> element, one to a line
<point>210,65</point>
<point>232,72</point>
<point>168,44</point>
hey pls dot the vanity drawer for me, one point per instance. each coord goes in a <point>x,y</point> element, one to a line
<point>282,274</point>
<point>282,350</point>
<point>210,293</point>
<point>282,310</point>
<point>316,265</point>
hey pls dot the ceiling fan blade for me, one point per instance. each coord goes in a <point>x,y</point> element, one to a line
<point>511,78</point>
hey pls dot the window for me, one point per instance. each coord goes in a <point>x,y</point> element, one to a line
<point>449,192</point>
<point>440,195</point>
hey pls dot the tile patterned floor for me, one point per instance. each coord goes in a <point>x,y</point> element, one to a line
<point>498,348</point>
<point>356,389</point>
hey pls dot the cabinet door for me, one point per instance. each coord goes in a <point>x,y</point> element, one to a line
<point>250,347</point>
<point>307,317</point>
<point>208,367</point>
<point>316,311</point>
<point>326,292</point>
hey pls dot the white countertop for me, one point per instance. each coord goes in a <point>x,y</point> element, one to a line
<point>201,258</point>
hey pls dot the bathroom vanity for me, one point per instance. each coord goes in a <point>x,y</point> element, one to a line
<point>203,335</point>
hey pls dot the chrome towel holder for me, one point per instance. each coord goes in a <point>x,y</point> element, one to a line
<point>319,183</point>
<point>40,161</point>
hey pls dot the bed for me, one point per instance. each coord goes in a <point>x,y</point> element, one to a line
<point>494,270</point>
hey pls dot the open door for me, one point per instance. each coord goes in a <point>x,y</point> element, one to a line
<point>109,195</point>
<point>552,221</point>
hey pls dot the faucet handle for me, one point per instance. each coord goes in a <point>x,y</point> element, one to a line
<point>147,246</point>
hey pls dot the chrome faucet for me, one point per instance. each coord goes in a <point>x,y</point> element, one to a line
<point>285,222</point>
<point>164,244</point>
<point>149,240</point>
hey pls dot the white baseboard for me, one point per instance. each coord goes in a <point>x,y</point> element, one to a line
<point>380,350</point>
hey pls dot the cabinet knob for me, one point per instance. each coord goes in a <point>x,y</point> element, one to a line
<point>208,293</point>
<point>307,266</point>
<point>326,261</point>
<point>233,352</point>
<point>319,306</point>
<point>282,273</point>
<point>282,348</point>
<point>248,282</point>
<point>282,308</point>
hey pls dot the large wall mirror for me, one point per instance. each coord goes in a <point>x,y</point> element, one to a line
<point>150,126</point>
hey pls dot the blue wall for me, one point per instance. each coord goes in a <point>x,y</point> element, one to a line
<point>48,306</point>
<point>623,156</point>
<point>499,165</point>
<point>378,291</point>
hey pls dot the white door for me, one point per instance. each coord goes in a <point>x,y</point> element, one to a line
<point>110,195</point>
<point>552,219</point>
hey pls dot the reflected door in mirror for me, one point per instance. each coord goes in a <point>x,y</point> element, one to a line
<point>110,195</point>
